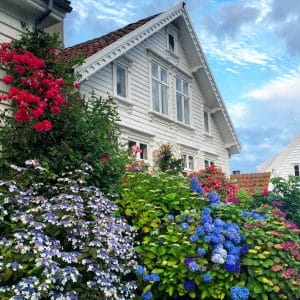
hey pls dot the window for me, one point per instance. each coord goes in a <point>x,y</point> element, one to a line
<point>208,163</point>
<point>141,149</point>
<point>182,101</point>
<point>206,122</point>
<point>159,89</point>
<point>171,41</point>
<point>296,170</point>
<point>120,81</point>
<point>187,161</point>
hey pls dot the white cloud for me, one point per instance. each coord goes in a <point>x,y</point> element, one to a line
<point>232,71</point>
<point>237,112</point>
<point>282,92</point>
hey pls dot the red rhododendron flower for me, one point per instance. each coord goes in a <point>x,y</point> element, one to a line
<point>52,51</point>
<point>43,126</point>
<point>55,109</point>
<point>76,85</point>
<point>22,115</point>
<point>7,79</point>
<point>20,69</point>
<point>265,193</point>
<point>36,113</point>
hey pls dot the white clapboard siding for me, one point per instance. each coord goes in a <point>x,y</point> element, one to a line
<point>137,117</point>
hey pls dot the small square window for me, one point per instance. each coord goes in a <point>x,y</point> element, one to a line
<point>191,162</point>
<point>143,153</point>
<point>206,164</point>
<point>171,43</point>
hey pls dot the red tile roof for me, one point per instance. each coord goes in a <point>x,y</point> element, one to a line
<point>91,47</point>
<point>252,182</point>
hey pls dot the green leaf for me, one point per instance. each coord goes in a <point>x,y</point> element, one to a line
<point>192,295</point>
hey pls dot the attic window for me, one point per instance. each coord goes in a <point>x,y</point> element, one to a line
<point>171,43</point>
<point>206,122</point>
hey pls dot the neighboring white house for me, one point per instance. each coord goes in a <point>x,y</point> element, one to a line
<point>285,163</point>
<point>45,14</point>
<point>156,71</point>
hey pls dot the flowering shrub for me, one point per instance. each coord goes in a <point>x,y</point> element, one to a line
<point>60,239</point>
<point>51,120</point>
<point>225,252</point>
<point>166,161</point>
<point>213,179</point>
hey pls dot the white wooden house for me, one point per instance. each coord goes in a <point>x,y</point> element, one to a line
<point>285,163</point>
<point>156,71</point>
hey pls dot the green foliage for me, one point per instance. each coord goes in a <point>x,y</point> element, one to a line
<point>146,199</point>
<point>166,161</point>
<point>288,192</point>
<point>84,130</point>
<point>246,200</point>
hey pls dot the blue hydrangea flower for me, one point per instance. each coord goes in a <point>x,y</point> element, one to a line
<point>207,277</point>
<point>147,295</point>
<point>170,217</point>
<point>154,277</point>
<point>207,238</point>
<point>146,277</point>
<point>194,238</point>
<point>201,251</point>
<point>238,293</point>
<point>194,184</point>
<point>206,211</point>
<point>200,190</point>
<point>206,219</point>
<point>189,285</point>
<point>139,270</point>
<point>193,266</point>
<point>200,230</point>
<point>185,225</point>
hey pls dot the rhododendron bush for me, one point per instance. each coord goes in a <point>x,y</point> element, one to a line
<point>48,119</point>
<point>60,239</point>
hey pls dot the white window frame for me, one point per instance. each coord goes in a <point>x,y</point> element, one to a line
<point>186,161</point>
<point>126,67</point>
<point>183,97</point>
<point>138,143</point>
<point>160,84</point>
<point>209,163</point>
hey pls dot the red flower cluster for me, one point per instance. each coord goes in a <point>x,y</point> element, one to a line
<point>213,179</point>
<point>37,92</point>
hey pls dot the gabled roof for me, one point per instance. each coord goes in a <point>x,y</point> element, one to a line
<point>276,161</point>
<point>93,46</point>
<point>108,48</point>
<point>252,182</point>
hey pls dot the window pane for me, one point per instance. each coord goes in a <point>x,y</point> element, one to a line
<point>121,81</point>
<point>154,70</point>
<point>184,163</point>
<point>186,111</point>
<point>206,127</point>
<point>163,75</point>
<point>185,88</point>
<point>178,85</point>
<point>179,108</point>
<point>171,43</point>
<point>212,163</point>
<point>155,95</point>
<point>143,154</point>
<point>297,171</point>
<point>206,163</point>
<point>164,100</point>
<point>191,162</point>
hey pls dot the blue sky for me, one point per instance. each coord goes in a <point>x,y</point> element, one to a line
<point>252,47</point>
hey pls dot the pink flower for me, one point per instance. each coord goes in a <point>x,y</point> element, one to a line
<point>276,203</point>
<point>135,149</point>
<point>288,273</point>
<point>290,225</point>
<point>105,159</point>
<point>265,193</point>
<point>276,268</point>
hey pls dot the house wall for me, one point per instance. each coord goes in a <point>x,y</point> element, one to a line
<point>137,120</point>
<point>286,166</point>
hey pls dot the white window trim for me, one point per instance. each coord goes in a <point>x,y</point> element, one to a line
<point>164,66</point>
<point>189,99</point>
<point>127,66</point>
<point>186,162</point>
